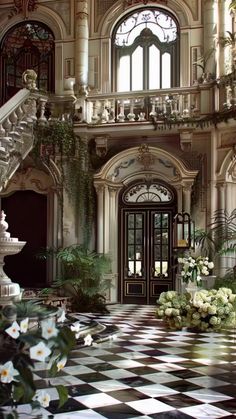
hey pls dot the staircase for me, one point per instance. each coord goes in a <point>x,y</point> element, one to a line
<point>17,119</point>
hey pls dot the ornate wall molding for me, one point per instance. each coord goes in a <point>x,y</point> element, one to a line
<point>23,7</point>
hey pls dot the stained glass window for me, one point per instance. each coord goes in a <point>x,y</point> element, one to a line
<point>146,51</point>
<point>29,45</point>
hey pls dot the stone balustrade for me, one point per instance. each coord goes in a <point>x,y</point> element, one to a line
<point>145,106</point>
<point>17,118</point>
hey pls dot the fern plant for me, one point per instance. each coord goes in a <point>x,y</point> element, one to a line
<point>82,277</point>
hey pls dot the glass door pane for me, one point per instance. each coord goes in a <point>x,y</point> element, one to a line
<point>154,68</point>
<point>166,71</point>
<point>161,240</point>
<point>137,69</point>
<point>135,244</point>
<point>124,74</point>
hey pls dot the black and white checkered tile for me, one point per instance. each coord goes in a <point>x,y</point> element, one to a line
<point>147,372</point>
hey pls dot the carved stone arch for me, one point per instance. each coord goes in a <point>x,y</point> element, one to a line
<point>227,170</point>
<point>178,8</point>
<point>29,179</point>
<point>132,164</point>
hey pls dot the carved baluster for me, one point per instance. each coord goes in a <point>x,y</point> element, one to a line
<point>42,120</point>
<point>185,113</point>
<point>131,114</point>
<point>112,111</point>
<point>121,115</point>
<point>104,115</point>
<point>7,125</point>
<point>95,116</point>
<point>153,113</point>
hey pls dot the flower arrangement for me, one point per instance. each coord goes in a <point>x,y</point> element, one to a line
<point>192,268</point>
<point>209,310</point>
<point>21,346</point>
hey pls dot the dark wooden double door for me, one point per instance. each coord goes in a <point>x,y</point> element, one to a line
<point>146,261</point>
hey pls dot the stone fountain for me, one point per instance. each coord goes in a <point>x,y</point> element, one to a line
<point>9,291</point>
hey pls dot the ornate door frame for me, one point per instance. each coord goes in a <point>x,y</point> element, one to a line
<point>137,163</point>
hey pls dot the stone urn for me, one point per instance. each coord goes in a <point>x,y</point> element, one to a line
<point>9,291</point>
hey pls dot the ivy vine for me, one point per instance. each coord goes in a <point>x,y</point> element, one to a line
<point>57,140</point>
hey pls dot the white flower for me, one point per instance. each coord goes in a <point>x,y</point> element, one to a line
<point>42,397</point>
<point>61,363</point>
<point>8,372</point>
<point>39,352</point>
<point>210,265</point>
<point>13,330</point>
<point>180,260</point>
<point>48,329</point>
<point>168,312</point>
<point>212,309</point>
<point>182,273</point>
<point>75,327</point>
<point>24,324</point>
<point>62,317</point>
<point>213,320</point>
<point>88,340</point>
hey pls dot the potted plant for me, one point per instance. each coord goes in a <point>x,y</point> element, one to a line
<point>81,277</point>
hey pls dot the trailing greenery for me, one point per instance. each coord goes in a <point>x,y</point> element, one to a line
<point>57,140</point>
<point>82,277</point>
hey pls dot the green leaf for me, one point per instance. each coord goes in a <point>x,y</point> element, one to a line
<point>63,394</point>
<point>18,391</point>
<point>53,370</point>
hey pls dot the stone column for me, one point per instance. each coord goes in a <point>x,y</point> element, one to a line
<point>221,261</point>
<point>221,196</point>
<point>208,41</point>
<point>187,198</point>
<point>107,224</point>
<point>220,62</point>
<point>81,46</point>
<point>100,217</point>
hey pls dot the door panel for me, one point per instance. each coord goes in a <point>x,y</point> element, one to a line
<point>146,258</point>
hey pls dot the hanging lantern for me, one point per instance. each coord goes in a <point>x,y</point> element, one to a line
<point>183,232</point>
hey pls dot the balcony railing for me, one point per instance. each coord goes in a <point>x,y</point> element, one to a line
<point>177,103</point>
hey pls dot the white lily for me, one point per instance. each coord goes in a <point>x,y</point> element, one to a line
<point>48,329</point>
<point>39,352</point>
<point>88,340</point>
<point>24,324</point>
<point>75,327</point>
<point>61,363</point>
<point>42,397</point>
<point>62,317</point>
<point>13,330</point>
<point>8,372</point>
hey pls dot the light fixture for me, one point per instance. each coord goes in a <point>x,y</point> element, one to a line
<point>183,231</point>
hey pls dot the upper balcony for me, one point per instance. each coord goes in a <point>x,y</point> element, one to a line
<point>167,110</point>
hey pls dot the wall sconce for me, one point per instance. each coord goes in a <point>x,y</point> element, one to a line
<point>183,231</point>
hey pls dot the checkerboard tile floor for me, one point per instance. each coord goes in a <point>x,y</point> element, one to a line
<point>147,372</point>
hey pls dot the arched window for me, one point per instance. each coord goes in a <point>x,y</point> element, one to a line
<point>146,51</point>
<point>29,45</point>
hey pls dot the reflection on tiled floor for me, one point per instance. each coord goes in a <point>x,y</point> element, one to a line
<point>149,372</point>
